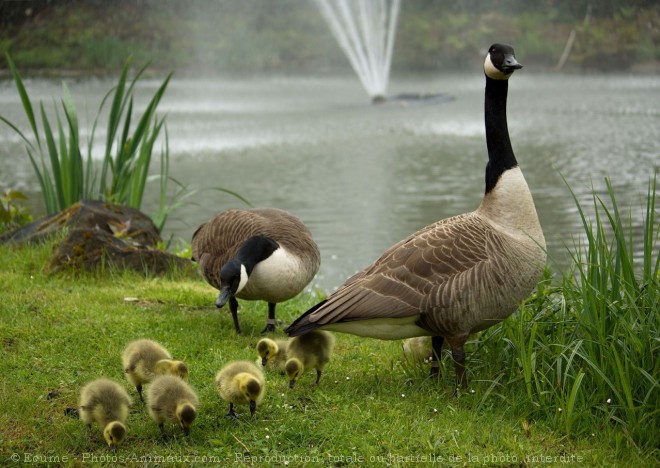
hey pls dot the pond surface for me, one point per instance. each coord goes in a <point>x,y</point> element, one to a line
<point>364,176</point>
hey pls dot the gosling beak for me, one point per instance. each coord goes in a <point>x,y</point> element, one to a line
<point>113,448</point>
<point>223,297</point>
<point>292,383</point>
<point>264,361</point>
<point>186,431</point>
<point>253,406</point>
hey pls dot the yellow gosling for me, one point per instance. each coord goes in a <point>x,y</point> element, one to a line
<point>139,361</point>
<point>171,367</point>
<point>105,403</point>
<point>170,399</point>
<point>241,382</point>
<point>272,353</point>
<point>311,350</point>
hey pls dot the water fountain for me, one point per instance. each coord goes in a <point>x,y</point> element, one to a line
<point>365,31</point>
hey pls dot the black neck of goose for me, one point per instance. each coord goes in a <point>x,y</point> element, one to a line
<point>254,250</point>
<point>500,153</point>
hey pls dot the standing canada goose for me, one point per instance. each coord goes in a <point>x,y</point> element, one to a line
<point>310,350</point>
<point>240,382</point>
<point>459,275</point>
<point>272,353</point>
<point>106,403</point>
<point>143,359</point>
<point>170,399</point>
<point>260,254</point>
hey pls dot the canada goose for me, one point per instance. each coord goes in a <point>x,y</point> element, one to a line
<point>170,399</point>
<point>106,403</point>
<point>240,382</point>
<point>459,275</point>
<point>260,254</point>
<point>310,350</point>
<point>272,353</point>
<point>143,359</point>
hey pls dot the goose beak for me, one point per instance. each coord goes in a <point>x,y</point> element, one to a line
<point>510,64</point>
<point>253,406</point>
<point>224,296</point>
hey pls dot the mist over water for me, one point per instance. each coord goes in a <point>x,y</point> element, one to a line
<point>362,177</point>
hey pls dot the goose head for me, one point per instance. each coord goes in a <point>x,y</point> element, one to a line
<point>235,273</point>
<point>267,350</point>
<point>114,433</point>
<point>293,369</point>
<point>250,388</point>
<point>500,62</point>
<point>186,414</point>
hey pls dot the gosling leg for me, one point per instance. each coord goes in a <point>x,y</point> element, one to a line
<point>163,436</point>
<point>318,375</point>
<point>232,413</point>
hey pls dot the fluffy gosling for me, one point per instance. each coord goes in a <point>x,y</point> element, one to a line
<point>313,349</point>
<point>142,360</point>
<point>272,353</point>
<point>419,348</point>
<point>241,382</point>
<point>172,367</point>
<point>170,399</point>
<point>106,403</point>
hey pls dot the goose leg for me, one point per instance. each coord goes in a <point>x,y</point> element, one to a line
<point>459,362</point>
<point>270,322</point>
<point>436,344</point>
<point>233,307</point>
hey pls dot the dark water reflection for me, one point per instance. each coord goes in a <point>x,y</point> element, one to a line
<point>362,176</point>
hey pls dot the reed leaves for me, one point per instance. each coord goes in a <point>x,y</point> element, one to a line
<point>65,176</point>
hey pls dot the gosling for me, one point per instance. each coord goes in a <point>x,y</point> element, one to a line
<point>419,348</point>
<point>142,360</point>
<point>170,399</point>
<point>241,382</point>
<point>313,349</point>
<point>272,353</point>
<point>106,403</point>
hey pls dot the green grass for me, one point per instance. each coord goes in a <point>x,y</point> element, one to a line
<point>570,377</point>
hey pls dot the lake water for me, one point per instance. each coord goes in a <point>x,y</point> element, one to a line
<point>362,176</point>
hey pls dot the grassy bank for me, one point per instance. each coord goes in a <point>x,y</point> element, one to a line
<point>572,377</point>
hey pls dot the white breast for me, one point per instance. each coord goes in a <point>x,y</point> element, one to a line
<point>277,278</point>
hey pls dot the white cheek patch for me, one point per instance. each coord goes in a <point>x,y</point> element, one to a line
<point>244,279</point>
<point>492,71</point>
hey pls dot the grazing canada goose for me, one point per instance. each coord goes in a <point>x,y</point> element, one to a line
<point>459,275</point>
<point>241,382</point>
<point>143,359</point>
<point>170,399</point>
<point>106,403</point>
<point>260,254</point>
<point>272,353</point>
<point>310,350</point>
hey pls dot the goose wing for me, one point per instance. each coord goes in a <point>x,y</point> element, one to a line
<point>412,277</point>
